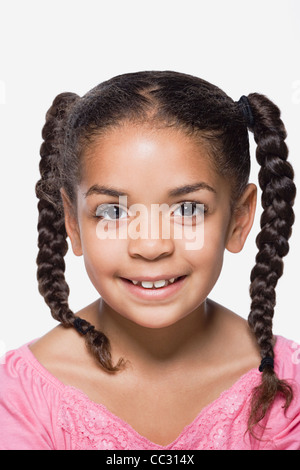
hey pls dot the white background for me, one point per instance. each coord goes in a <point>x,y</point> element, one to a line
<point>52,46</point>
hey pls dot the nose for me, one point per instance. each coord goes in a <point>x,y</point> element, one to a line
<point>150,248</point>
<point>153,239</point>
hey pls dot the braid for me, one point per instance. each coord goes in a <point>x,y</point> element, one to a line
<point>278,194</point>
<point>52,235</point>
<point>200,109</point>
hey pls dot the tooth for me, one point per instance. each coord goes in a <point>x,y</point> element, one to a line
<point>147,284</point>
<point>160,283</point>
<point>172,280</point>
<point>134,282</point>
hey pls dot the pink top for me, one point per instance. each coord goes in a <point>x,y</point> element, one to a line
<point>38,412</point>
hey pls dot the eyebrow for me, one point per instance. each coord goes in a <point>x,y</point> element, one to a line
<point>186,189</point>
<point>96,189</point>
<point>190,188</point>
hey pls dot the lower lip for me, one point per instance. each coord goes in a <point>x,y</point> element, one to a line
<point>154,294</point>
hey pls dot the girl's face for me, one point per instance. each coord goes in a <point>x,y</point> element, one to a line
<point>127,246</point>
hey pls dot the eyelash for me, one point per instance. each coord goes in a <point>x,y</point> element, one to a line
<point>178,205</point>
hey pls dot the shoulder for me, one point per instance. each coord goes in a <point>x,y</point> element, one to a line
<point>25,384</point>
<point>63,352</point>
<point>287,359</point>
<point>284,425</point>
<point>20,369</point>
<point>29,400</point>
<point>235,338</point>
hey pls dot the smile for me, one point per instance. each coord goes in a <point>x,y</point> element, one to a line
<point>155,284</point>
<point>158,289</point>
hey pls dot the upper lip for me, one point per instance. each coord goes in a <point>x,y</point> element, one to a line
<point>160,277</point>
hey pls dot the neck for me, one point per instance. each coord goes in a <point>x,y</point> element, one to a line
<point>154,347</point>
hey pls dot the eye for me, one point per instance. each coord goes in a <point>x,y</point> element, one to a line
<point>110,212</point>
<point>189,213</point>
<point>189,209</point>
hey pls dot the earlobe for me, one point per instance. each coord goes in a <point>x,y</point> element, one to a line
<point>71,224</point>
<point>242,220</point>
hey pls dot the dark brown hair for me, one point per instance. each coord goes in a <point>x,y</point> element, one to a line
<point>201,110</point>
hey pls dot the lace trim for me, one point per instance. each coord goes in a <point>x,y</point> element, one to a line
<point>220,425</point>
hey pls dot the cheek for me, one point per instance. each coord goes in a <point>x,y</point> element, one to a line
<point>207,261</point>
<point>102,258</point>
<point>209,258</point>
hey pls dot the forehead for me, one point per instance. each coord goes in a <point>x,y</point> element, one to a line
<point>140,157</point>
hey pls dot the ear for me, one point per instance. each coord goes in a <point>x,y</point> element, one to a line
<point>71,224</point>
<point>242,219</point>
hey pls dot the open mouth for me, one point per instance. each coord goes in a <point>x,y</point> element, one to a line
<point>159,284</point>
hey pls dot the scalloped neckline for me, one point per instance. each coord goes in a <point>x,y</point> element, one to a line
<point>251,372</point>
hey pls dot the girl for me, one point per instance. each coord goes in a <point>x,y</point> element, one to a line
<point>154,363</point>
